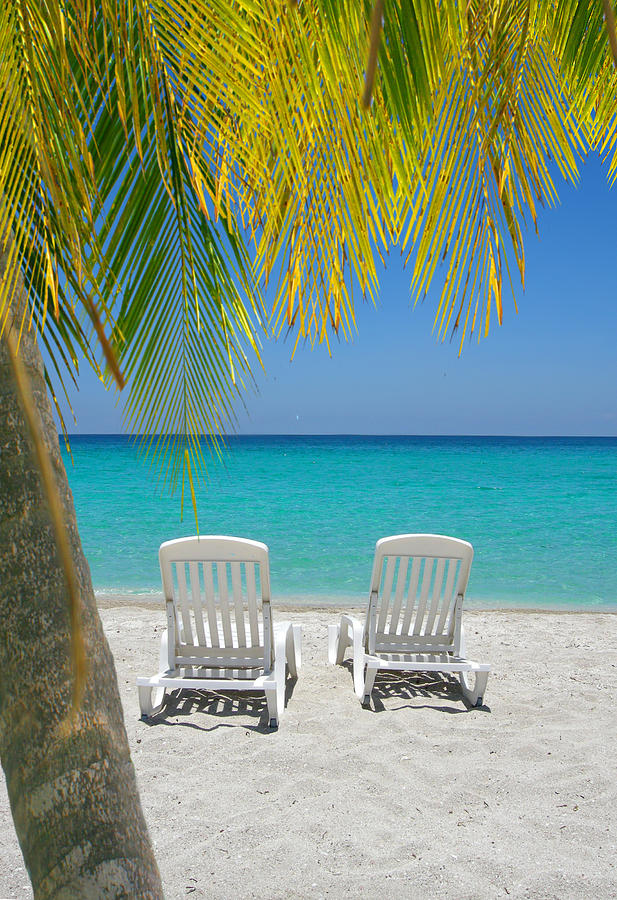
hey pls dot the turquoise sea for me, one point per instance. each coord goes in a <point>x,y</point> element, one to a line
<point>540,512</point>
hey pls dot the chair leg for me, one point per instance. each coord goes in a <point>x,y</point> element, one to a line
<point>293,649</point>
<point>280,692</point>
<point>333,642</point>
<point>150,700</point>
<point>339,639</point>
<point>369,681</point>
<point>474,695</point>
<point>282,635</point>
<point>273,707</point>
<point>345,640</point>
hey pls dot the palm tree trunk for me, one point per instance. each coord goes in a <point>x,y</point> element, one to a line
<point>71,786</point>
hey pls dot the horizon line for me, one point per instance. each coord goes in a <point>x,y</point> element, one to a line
<point>337,434</point>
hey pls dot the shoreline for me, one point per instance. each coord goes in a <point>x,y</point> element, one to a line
<point>153,602</point>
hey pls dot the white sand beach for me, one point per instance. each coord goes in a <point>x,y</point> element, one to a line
<point>416,797</point>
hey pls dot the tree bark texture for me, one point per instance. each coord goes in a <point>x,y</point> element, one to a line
<point>71,784</point>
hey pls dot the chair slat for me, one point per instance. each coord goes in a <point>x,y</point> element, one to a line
<point>251,599</point>
<point>436,597</point>
<point>197,606</point>
<point>448,596</point>
<point>197,650</point>
<point>387,591</point>
<point>236,586</point>
<point>426,584</point>
<point>411,594</point>
<point>401,577</point>
<point>400,644</point>
<point>221,570</point>
<point>268,632</point>
<point>210,598</point>
<point>183,602</point>
<point>192,655</point>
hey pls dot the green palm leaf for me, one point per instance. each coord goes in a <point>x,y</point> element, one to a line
<point>141,142</point>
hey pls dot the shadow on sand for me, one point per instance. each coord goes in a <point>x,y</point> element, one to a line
<point>413,686</point>
<point>181,704</point>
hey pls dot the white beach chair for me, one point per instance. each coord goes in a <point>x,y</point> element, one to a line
<point>219,636</point>
<point>413,622</point>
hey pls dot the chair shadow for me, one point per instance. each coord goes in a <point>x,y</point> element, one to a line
<point>413,685</point>
<point>219,704</point>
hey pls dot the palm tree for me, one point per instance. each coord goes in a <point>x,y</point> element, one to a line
<point>143,148</point>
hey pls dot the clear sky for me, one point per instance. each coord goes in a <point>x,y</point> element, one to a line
<point>550,369</point>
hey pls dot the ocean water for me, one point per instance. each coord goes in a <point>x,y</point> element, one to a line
<point>540,512</point>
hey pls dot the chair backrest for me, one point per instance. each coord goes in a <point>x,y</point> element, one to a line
<point>217,594</point>
<point>417,590</point>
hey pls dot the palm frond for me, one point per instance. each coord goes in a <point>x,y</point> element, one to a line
<point>502,130</point>
<point>273,126</point>
<point>100,216</point>
<point>44,171</point>
<point>187,313</point>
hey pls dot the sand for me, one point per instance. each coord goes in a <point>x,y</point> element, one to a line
<point>418,797</point>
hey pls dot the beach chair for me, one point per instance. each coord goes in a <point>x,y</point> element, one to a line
<point>413,622</point>
<point>220,634</point>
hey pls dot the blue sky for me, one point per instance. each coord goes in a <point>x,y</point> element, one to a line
<point>550,369</point>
